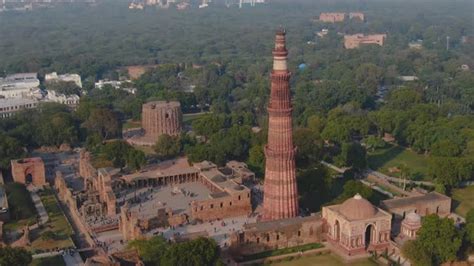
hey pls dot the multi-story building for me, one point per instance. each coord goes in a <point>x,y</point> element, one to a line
<point>52,77</point>
<point>71,100</point>
<point>354,41</point>
<point>10,106</point>
<point>18,85</point>
<point>332,17</point>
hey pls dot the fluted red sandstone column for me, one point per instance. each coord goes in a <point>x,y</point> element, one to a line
<point>280,190</point>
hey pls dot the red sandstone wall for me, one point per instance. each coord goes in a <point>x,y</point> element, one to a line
<point>220,208</point>
<point>31,166</point>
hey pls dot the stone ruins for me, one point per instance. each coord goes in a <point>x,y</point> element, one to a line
<point>158,118</point>
<point>29,171</point>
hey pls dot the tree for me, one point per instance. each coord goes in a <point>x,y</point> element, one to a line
<point>198,252</point>
<point>104,122</point>
<point>373,143</point>
<point>470,226</point>
<point>416,254</point>
<point>14,256</point>
<point>10,149</point>
<point>439,239</point>
<point>151,250</point>
<point>353,155</point>
<point>167,146</point>
<point>309,148</point>
<point>136,159</point>
<point>256,160</point>
<point>117,152</point>
<point>353,187</point>
<point>64,87</point>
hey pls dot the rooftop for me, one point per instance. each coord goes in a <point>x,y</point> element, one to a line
<point>15,102</point>
<point>280,224</point>
<point>410,201</point>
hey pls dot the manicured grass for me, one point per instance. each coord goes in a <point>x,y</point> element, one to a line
<point>57,226</point>
<point>396,156</point>
<point>283,251</point>
<point>51,261</point>
<point>327,259</point>
<point>189,118</point>
<point>131,124</point>
<point>21,207</point>
<point>463,200</point>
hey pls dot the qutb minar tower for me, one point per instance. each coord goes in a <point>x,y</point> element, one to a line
<point>280,190</point>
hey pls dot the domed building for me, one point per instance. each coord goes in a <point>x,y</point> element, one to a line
<point>357,226</point>
<point>410,225</point>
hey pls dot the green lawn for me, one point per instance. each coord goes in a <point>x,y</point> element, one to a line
<point>58,228</point>
<point>22,210</point>
<point>463,200</point>
<point>189,118</point>
<point>283,251</point>
<point>51,261</point>
<point>395,156</point>
<point>131,124</point>
<point>326,260</point>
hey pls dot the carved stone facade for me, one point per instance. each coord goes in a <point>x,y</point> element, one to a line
<point>30,170</point>
<point>277,234</point>
<point>357,226</point>
<point>280,188</point>
<point>355,40</point>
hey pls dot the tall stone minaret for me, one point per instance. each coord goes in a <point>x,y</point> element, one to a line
<point>280,190</point>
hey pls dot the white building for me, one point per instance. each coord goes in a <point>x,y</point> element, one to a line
<point>71,100</point>
<point>10,106</point>
<point>18,85</point>
<point>66,77</point>
<point>116,84</point>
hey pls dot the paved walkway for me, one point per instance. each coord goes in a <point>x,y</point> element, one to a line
<point>73,260</point>
<point>38,205</point>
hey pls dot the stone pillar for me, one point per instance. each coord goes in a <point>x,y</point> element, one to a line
<point>280,189</point>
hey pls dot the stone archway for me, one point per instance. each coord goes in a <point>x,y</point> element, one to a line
<point>369,235</point>
<point>28,179</point>
<point>337,231</point>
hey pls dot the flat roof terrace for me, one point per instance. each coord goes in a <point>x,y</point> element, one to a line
<point>146,201</point>
<point>179,166</point>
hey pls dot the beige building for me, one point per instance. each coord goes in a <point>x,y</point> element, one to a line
<point>357,226</point>
<point>354,41</point>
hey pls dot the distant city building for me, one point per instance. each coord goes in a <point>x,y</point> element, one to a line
<point>251,2</point>
<point>354,41</point>
<point>182,5</point>
<point>66,77</point>
<point>408,78</point>
<point>322,33</point>
<point>357,15</point>
<point>332,17</point>
<point>116,84</point>
<point>418,44</point>
<point>18,85</point>
<point>71,100</point>
<point>10,106</point>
